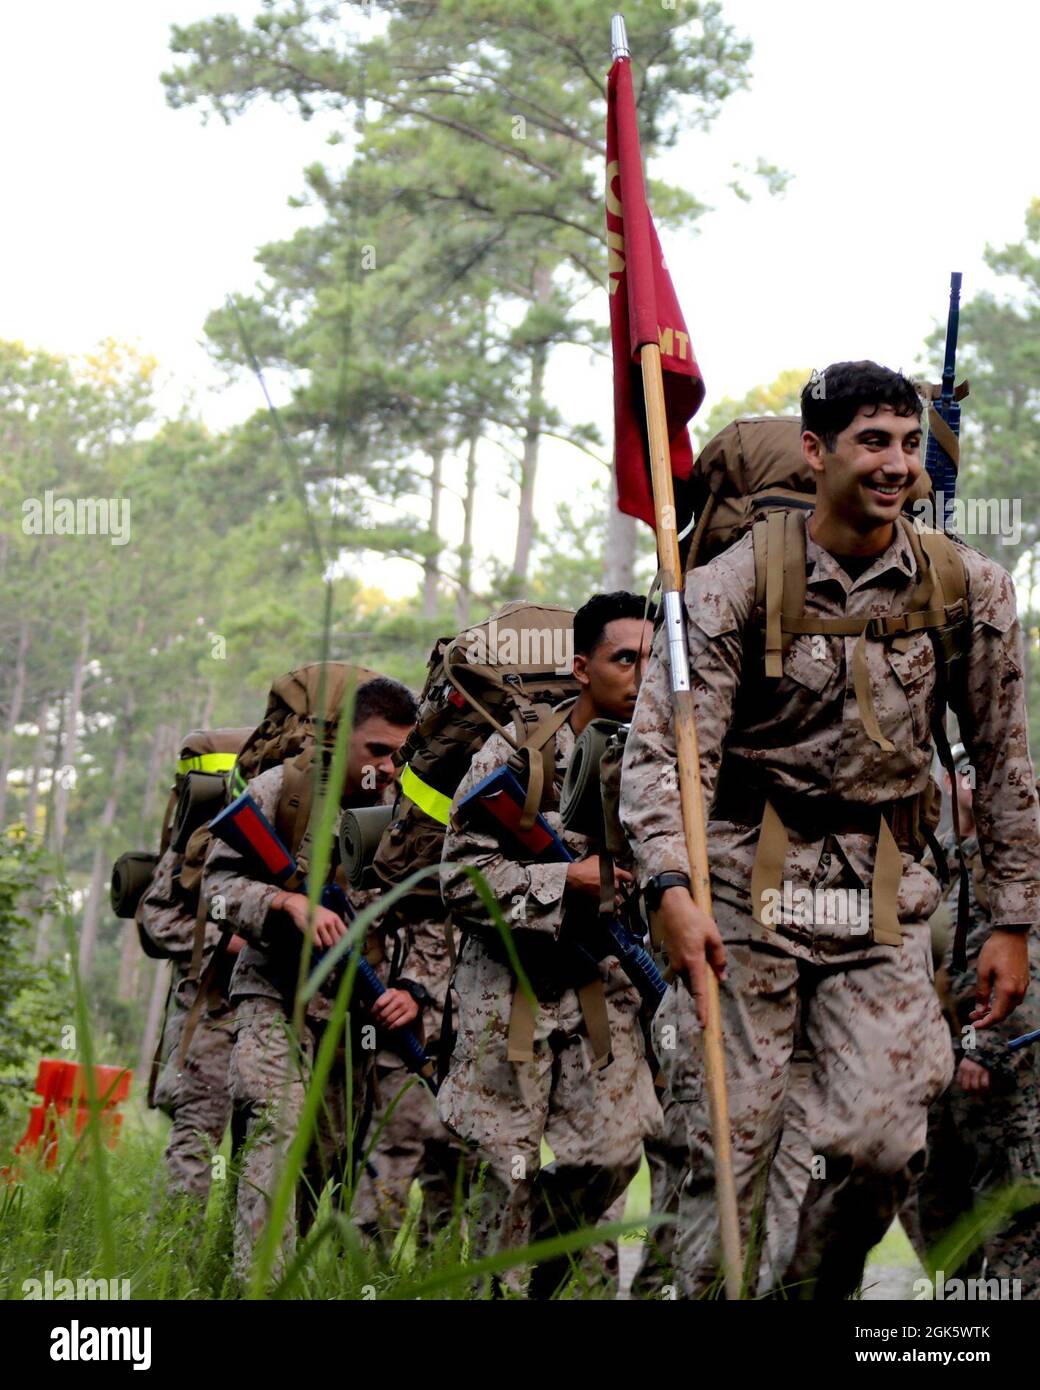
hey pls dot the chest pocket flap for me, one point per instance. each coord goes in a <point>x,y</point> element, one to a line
<point>804,665</point>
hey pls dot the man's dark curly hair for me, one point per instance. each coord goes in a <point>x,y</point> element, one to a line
<point>831,399</point>
<point>387,699</point>
<point>592,617</point>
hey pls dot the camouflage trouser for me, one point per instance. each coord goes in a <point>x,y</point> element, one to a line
<point>881,1054</point>
<point>980,1142</point>
<point>668,1160</point>
<point>196,1098</point>
<point>594,1121</point>
<point>268,1077</point>
<point>414,1146</point>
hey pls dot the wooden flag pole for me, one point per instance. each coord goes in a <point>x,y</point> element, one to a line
<point>689,766</point>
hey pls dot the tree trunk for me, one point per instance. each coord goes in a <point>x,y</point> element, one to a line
<point>68,765</point>
<point>432,561</point>
<point>52,784</point>
<point>43,925</point>
<point>153,1022</point>
<point>14,714</point>
<point>465,595</point>
<point>39,753</point>
<point>532,440</point>
<point>64,766</point>
<point>205,718</point>
<point>96,892</point>
<point>619,562</point>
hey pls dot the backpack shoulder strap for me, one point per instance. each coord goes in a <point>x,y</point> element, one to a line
<point>538,747</point>
<point>947,566</point>
<point>779,545</point>
<point>292,814</point>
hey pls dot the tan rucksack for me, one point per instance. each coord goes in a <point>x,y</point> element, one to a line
<point>299,726</point>
<point>505,674</point>
<point>752,467</point>
<point>211,752</point>
<point>203,754</point>
<point>752,476</point>
<point>299,703</point>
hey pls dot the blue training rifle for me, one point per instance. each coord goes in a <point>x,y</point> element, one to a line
<point>498,801</point>
<point>245,828</point>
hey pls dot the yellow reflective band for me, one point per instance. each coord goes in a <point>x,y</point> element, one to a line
<point>207,762</point>
<point>436,805</point>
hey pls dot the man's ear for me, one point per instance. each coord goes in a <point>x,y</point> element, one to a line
<point>813,450</point>
<point>581,669</point>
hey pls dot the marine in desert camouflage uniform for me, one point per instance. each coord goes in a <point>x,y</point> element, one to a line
<point>194,1095</point>
<point>788,1180</point>
<point>270,1068</point>
<point>594,1120</point>
<point>881,1050</point>
<point>415,1145</point>
<point>984,1132</point>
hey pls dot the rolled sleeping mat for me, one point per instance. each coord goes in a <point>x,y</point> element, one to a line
<point>203,794</point>
<point>581,804</point>
<point>360,832</point>
<point>940,927</point>
<point>131,875</point>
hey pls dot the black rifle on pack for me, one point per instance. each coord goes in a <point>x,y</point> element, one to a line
<point>942,454</point>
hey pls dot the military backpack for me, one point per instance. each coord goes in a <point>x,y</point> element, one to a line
<point>506,675</point>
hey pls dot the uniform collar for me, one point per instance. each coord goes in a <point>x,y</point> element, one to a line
<point>821,566</point>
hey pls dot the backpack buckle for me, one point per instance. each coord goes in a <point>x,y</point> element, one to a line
<point>893,625</point>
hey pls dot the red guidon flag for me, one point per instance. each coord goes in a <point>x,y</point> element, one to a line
<point>643,309</point>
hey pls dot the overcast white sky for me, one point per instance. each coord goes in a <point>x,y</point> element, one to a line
<point>909,126</point>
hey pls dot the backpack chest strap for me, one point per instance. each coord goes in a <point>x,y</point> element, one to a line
<point>895,627</point>
<point>938,599</point>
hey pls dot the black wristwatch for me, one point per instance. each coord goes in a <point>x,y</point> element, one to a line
<point>655,888</point>
<point>419,993</point>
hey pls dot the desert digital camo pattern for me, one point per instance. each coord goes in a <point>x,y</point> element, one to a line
<point>887,1051</point>
<point>776,1217</point>
<point>415,1144</point>
<point>270,1069</point>
<point>195,1096</point>
<point>881,1050</point>
<point>804,736</point>
<point>980,1142</point>
<point>594,1121</point>
<point>268,1078</point>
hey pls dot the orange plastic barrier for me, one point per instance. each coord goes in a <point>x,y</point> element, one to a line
<point>62,1087</point>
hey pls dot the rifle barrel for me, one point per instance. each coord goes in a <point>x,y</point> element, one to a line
<point>952,325</point>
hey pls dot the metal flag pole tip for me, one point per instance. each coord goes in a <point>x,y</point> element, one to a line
<point>618,38</point>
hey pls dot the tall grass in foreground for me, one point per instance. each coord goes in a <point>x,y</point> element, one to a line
<point>52,1219</point>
